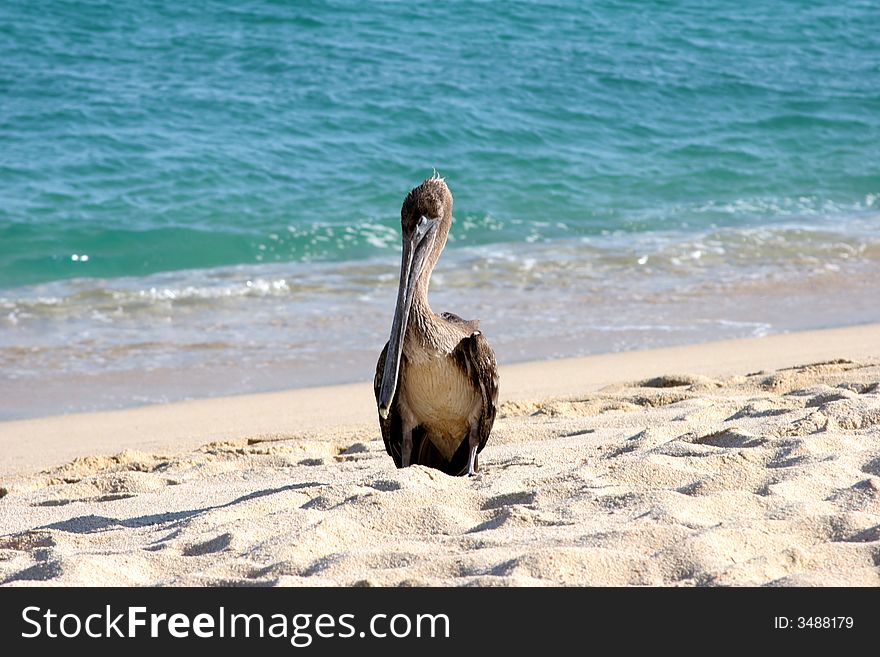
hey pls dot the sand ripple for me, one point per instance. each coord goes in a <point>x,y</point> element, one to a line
<point>767,479</point>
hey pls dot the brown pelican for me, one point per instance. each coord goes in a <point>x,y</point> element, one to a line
<point>436,380</point>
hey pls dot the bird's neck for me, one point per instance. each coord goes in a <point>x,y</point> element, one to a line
<point>425,332</point>
<point>421,317</point>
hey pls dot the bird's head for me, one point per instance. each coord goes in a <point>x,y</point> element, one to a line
<point>426,217</point>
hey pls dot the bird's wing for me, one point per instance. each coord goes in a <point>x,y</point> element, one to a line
<point>477,360</point>
<point>392,433</point>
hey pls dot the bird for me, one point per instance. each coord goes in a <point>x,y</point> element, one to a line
<point>436,382</point>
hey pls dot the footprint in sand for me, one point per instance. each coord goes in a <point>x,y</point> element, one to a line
<point>27,541</point>
<point>872,467</point>
<point>732,437</point>
<point>509,499</point>
<point>216,544</point>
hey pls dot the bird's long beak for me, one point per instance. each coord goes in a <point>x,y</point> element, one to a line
<point>416,249</point>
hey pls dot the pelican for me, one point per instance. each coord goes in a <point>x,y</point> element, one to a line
<point>436,381</point>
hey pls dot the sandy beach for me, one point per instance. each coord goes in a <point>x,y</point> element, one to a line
<point>747,462</point>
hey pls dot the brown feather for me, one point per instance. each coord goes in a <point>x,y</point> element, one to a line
<point>436,396</point>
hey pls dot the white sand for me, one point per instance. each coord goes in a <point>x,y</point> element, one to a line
<point>712,477</point>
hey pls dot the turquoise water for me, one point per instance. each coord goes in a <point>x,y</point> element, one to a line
<point>171,171</point>
<point>167,135</point>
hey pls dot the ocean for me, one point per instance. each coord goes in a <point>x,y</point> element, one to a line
<point>203,198</point>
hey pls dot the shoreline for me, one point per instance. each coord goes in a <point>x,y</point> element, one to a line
<point>110,344</point>
<point>33,444</point>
